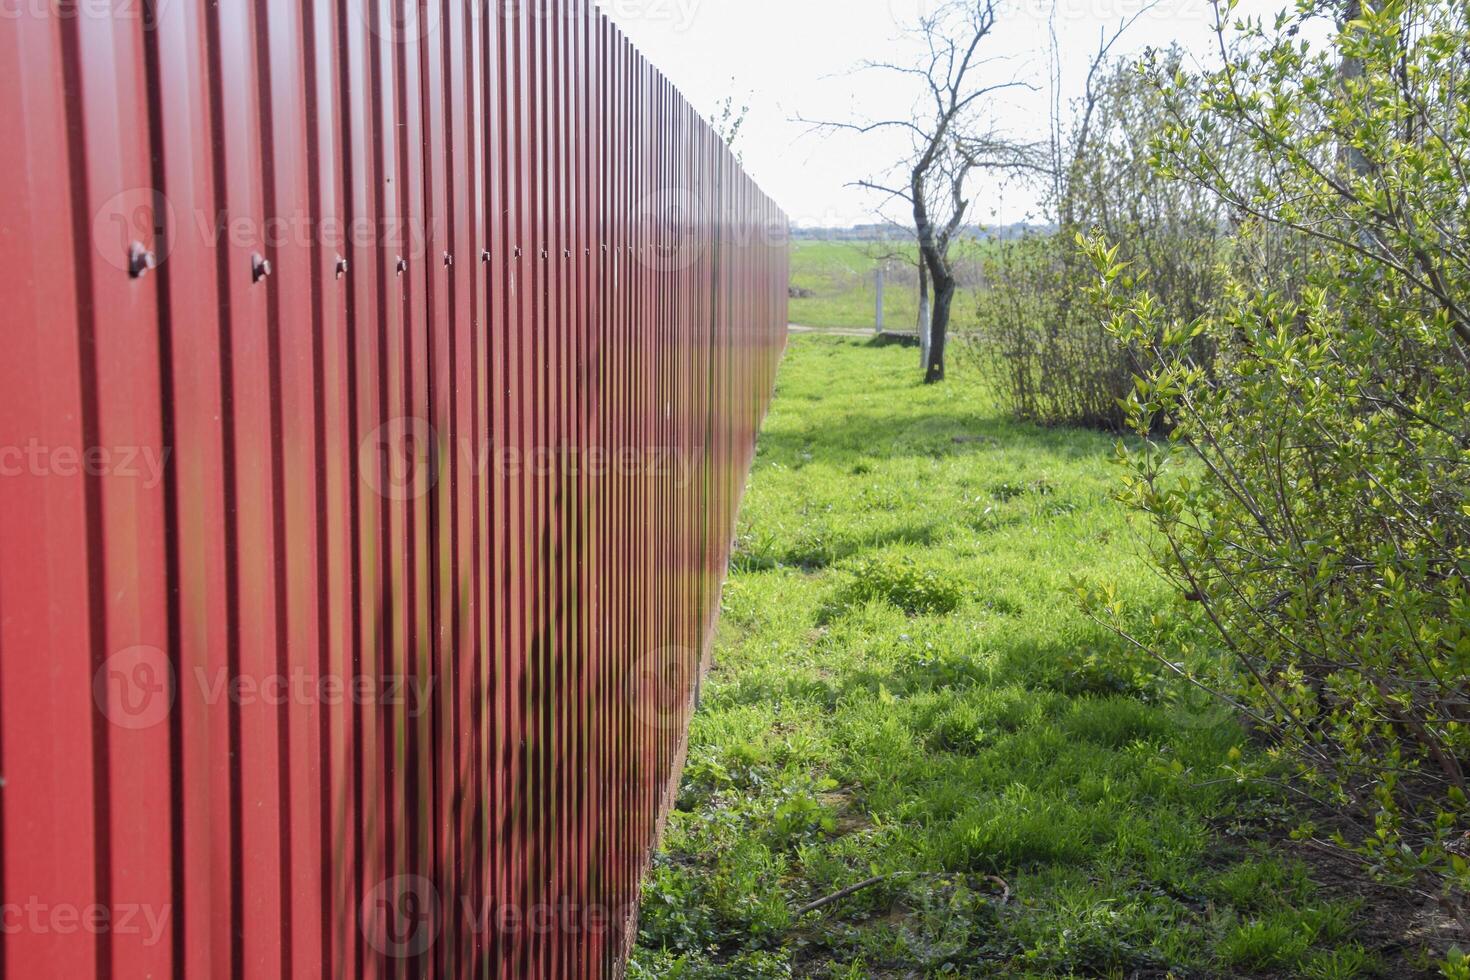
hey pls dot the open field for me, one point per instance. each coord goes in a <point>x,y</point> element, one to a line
<point>905,688</point>
<point>840,277</point>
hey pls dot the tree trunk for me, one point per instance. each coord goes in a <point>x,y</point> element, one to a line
<point>1351,69</point>
<point>938,331</point>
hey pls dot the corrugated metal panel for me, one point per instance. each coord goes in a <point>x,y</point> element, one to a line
<point>381,380</point>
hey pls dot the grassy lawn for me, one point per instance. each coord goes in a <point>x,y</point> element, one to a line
<point>904,687</point>
<point>839,276</point>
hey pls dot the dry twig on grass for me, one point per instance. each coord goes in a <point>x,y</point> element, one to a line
<point>860,886</point>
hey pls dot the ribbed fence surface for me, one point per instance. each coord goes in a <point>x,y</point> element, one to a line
<point>379,382</point>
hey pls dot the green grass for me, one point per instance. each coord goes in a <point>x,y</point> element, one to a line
<point>904,687</point>
<point>839,275</point>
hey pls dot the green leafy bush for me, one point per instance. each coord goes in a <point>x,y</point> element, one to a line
<point>1311,492</point>
<point>1042,342</point>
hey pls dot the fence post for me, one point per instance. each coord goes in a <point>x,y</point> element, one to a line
<point>878,313</point>
<point>926,318</point>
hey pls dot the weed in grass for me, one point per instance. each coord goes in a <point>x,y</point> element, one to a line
<point>1279,942</point>
<point>1343,963</point>
<point>1456,966</point>
<point>1263,883</point>
<point>900,581</point>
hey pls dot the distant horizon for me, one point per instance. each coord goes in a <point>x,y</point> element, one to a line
<point>887,231</point>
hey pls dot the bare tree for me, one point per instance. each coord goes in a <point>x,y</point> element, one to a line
<point>951,143</point>
<point>1069,156</point>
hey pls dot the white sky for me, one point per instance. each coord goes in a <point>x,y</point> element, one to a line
<point>790,58</point>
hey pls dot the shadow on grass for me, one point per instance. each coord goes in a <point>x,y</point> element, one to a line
<point>817,554</point>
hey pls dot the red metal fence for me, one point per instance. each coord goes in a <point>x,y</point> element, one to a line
<point>378,385</point>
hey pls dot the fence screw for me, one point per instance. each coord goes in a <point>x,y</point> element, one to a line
<point>260,267</point>
<point>518,251</point>
<point>448,261</point>
<point>484,255</point>
<point>140,260</point>
<point>402,265</point>
<point>341,267</point>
